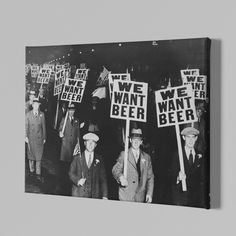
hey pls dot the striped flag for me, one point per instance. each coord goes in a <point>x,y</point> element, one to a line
<point>77,150</point>
<point>103,77</point>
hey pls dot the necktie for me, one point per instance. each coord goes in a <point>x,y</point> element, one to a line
<point>190,158</point>
<point>137,159</point>
<point>90,161</point>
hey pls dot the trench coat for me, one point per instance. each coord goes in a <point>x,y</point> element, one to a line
<point>79,169</point>
<point>71,136</point>
<point>35,131</point>
<point>136,190</point>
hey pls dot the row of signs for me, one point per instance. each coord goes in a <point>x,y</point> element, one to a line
<point>129,98</point>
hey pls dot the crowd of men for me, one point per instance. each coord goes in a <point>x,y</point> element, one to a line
<point>82,171</point>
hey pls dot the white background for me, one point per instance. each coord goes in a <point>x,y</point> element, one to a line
<point>26,23</point>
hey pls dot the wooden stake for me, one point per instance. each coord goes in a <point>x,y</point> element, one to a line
<point>56,117</point>
<point>126,147</point>
<point>181,161</point>
<point>39,89</point>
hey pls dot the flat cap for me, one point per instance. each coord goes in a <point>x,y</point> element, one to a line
<point>189,131</point>
<point>91,136</point>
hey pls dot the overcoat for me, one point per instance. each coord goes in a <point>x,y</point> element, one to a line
<point>71,136</point>
<point>79,169</point>
<point>137,188</point>
<point>35,129</point>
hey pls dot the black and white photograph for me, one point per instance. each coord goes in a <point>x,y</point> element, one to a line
<point>121,121</point>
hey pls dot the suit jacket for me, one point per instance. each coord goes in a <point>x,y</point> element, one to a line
<point>196,194</point>
<point>35,130</point>
<point>71,136</point>
<point>79,169</point>
<point>136,190</point>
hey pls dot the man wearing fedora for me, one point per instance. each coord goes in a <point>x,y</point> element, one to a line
<point>69,137</point>
<point>138,186</point>
<point>35,137</point>
<point>195,173</point>
<point>87,171</point>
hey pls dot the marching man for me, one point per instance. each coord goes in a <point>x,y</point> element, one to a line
<point>194,173</point>
<point>138,186</point>
<point>87,171</point>
<point>69,138</point>
<point>35,137</point>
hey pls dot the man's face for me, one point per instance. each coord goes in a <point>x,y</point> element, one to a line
<point>71,112</point>
<point>190,140</point>
<point>90,145</point>
<point>136,142</point>
<point>199,113</point>
<point>31,97</point>
<point>35,106</point>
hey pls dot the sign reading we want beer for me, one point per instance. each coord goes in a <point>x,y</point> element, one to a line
<point>175,106</point>
<point>129,100</point>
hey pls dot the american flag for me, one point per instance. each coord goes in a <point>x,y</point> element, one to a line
<point>77,150</point>
<point>103,77</point>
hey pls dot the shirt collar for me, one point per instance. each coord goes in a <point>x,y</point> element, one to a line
<point>135,152</point>
<point>187,151</point>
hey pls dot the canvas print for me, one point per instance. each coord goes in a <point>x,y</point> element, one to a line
<point>125,121</point>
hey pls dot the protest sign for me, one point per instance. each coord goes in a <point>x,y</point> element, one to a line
<point>34,71</point>
<point>112,77</point>
<point>175,106</point>
<point>189,72</point>
<point>81,74</point>
<point>60,78</point>
<point>199,83</point>
<point>129,100</point>
<point>44,76</point>
<point>59,67</point>
<point>73,90</point>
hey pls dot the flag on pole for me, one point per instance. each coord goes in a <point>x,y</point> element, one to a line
<point>99,92</point>
<point>103,77</point>
<point>77,150</point>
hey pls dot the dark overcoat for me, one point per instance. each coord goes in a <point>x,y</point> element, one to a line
<point>79,169</point>
<point>35,129</point>
<point>71,136</point>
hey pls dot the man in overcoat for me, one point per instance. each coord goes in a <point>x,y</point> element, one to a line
<point>35,137</point>
<point>138,186</point>
<point>195,173</point>
<point>87,171</point>
<point>69,138</point>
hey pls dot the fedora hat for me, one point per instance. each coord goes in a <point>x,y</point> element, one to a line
<point>136,133</point>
